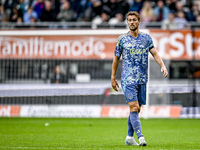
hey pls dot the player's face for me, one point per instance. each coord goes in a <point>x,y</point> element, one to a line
<point>133,22</point>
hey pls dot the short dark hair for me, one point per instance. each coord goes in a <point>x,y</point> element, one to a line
<point>130,13</point>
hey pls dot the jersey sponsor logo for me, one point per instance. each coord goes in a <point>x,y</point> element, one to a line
<point>134,51</point>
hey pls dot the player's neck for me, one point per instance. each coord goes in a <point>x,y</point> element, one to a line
<point>134,33</point>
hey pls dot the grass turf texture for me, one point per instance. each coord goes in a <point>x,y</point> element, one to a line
<point>102,133</point>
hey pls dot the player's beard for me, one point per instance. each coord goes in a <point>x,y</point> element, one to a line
<point>134,29</point>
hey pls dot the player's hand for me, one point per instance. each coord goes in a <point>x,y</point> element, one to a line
<point>115,85</point>
<point>165,72</point>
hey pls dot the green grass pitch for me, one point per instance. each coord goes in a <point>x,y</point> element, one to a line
<point>101,133</point>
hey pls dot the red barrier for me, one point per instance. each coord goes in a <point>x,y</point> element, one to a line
<point>170,44</point>
<point>9,111</point>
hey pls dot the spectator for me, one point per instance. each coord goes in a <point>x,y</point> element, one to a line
<point>154,18</point>
<point>66,13</point>
<point>170,23</point>
<point>146,12</point>
<point>4,19</point>
<point>32,3</point>
<point>161,11</point>
<point>94,9</point>
<point>118,18</point>
<point>180,20</point>
<point>15,14</point>
<point>19,20</point>
<point>198,18</point>
<point>105,17</point>
<point>58,76</point>
<point>19,23</point>
<point>75,6</point>
<point>100,19</point>
<point>86,14</point>
<point>2,12</point>
<point>171,4</point>
<point>136,6</point>
<point>195,12</point>
<point>3,16</point>
<point>48,14</point>
<point>130,2</point>
<point>38,7</point>
<point>179,7</point>
<point>123,7</point>
<point>30,15</point>
<point>9,5</point>
<point>32,19</point>
<point>56,6</point>
<point>105,12</point>
<point>117,11</point>
<point>82,14</point>
<point>79,7</point>
<point>23,6</point>
<point>106,8</point>
<point>114,9</point>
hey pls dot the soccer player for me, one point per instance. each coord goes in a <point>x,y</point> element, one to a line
<point>134,47</point>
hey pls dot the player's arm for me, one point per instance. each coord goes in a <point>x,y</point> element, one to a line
<point>114,71</point>
<point>160,62</point>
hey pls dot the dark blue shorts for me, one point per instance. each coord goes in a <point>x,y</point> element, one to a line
<point>136,92</point>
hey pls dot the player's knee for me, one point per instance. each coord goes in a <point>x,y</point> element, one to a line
<point>134,108</point>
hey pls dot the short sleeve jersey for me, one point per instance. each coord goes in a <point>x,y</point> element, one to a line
<point>134,53</point>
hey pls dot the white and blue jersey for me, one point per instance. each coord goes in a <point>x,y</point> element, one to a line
<point>134,53</point>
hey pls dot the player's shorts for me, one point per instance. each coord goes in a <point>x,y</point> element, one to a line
<point>136,92</point>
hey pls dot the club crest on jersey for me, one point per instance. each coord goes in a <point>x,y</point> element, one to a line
<point>144,42</point>
<point>130,95</point>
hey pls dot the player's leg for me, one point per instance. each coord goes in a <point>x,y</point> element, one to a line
<point>129,138</point>
<point>135,121</point>
<point>130,131</point>
<point>135,100</point>
<point>142,101</point>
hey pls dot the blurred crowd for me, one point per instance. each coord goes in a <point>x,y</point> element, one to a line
<point>173,14</point>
